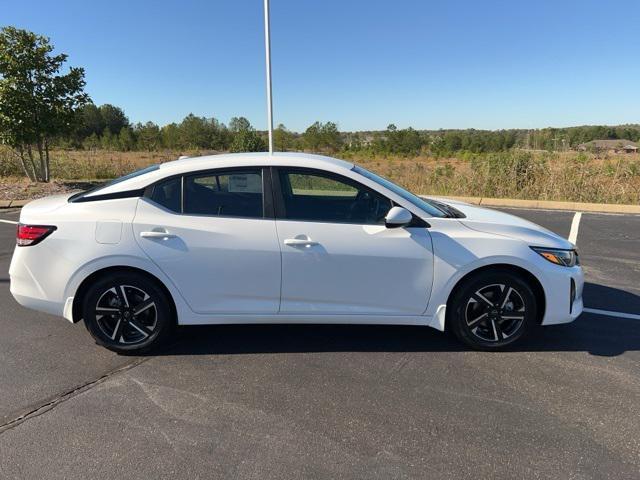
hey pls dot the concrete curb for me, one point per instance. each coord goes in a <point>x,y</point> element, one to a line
<point>549,205</point>
<point>489,202</point>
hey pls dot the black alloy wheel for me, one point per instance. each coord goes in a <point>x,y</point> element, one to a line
<point>492,310</point>
<point>127,312</point>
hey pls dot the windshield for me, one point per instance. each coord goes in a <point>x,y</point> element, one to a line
<point>137,173</point>
<point>408,196</point>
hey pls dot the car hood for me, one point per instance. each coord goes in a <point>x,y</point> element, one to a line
<point>499,223</point>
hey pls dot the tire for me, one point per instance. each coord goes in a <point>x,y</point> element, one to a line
<point>492,310</point>
<point>127,312</point>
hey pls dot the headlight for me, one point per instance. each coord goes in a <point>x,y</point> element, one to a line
<point>566,258</point>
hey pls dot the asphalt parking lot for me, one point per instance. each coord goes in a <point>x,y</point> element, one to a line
<point>265,402</point>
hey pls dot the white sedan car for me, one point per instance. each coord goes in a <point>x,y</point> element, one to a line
<point>285,238</point>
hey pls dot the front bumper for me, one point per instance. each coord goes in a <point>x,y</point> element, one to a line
<point>560,306</point>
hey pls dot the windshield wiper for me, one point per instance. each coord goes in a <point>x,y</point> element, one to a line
<point>451,212</point>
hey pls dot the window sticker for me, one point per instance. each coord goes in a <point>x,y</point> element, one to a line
<point>245,183</point>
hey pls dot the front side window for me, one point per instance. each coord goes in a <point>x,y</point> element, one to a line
<point>225,194</point>
<point>323,197</point>
<point>408,196</point>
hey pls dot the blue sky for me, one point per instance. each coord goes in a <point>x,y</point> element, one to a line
<point>361,63</point>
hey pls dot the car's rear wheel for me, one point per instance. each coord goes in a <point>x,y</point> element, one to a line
<point>492,309</point>
<point>127,312</point>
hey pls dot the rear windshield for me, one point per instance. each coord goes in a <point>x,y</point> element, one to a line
<point>408,196</point>
<point>137,173</point>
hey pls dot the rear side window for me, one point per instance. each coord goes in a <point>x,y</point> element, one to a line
<point>303,184</point>
<point>225,194</point>
<point>167,194</point>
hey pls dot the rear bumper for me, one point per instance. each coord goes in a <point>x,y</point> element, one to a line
<point>26,289</point>
<point>39,304</point>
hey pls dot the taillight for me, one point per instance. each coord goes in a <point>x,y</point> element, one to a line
<point>28,235</point>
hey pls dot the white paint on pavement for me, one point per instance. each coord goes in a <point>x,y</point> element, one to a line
<point>609,313</point>
<point>8,221</point>
<point>575,225</point>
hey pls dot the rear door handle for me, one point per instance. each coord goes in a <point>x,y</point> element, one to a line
<point>300,242</point>
<point>157,234</point>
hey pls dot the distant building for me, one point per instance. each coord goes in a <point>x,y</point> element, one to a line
<point>611,146</point>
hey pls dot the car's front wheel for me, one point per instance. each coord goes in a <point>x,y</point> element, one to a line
<point>127,312</point>
<point>492,309</point>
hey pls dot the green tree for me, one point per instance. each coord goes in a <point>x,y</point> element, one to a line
<point>92,142</point>
<point>245,138</point>
<point>321,137</point>
<point>107,141</point>
<point>219,136</point>
<point>148,135</point>
<point>171,137</point>
<point>283,139</point>
<point>239,124</point>
<point>89,121</point>
<point>248,141</point>
<point>194,132</point>
<point>312,137</point>
<point>37,102</point>
<point>126,140</point>
<point>406,141</point>
<point>113,118</point>
<point>331,138</point>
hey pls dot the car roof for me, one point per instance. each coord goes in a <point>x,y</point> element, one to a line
<point>226,160</point>
<point>256,158</point>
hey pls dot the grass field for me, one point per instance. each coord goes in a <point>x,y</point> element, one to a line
<point>571,176</point>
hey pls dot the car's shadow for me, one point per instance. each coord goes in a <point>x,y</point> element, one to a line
<point>596,334</point>
<point>609,298</point>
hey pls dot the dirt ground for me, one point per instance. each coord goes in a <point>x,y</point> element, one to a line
<point>14,188</point>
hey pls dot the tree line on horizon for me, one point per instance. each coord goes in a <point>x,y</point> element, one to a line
<point>42,109</point>
<point>107,127</point>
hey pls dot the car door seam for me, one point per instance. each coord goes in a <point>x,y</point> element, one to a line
<point>275,222</point>
<point>150,259</point>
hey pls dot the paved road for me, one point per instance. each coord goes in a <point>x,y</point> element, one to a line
<point>265,402</point>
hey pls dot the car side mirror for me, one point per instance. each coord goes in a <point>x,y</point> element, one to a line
<point>398,217</point>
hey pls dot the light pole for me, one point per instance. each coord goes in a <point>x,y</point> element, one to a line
<point>267,47</point>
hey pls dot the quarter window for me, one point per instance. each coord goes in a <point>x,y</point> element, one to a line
<point>167,194</point>
<point>226,194</point>
<point>316,196</point>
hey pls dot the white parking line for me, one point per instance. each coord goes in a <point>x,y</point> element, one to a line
<point>9,221</point>
<point>609,313</point>
<point>575,225</point>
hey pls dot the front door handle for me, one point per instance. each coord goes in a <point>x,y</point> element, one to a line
<point>300,242</point>
<point>164,235</point>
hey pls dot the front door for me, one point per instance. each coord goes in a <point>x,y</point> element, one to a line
<point>337,255</point>
<point>214,241</point>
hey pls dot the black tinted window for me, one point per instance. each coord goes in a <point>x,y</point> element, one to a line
<point>167,194</point>
<point>320,197</point>
<point>432,210</point>
<point>137,173</point>
<point>227,194</point>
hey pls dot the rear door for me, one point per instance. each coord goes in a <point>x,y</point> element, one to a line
<point>337,255</point>
<point>214,236</point>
